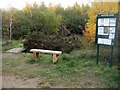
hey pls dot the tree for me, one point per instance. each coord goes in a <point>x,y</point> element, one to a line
<point>5,24</point>
<point>74,19</point>
<point>33,18</point>
<point>44,20</point>
<point>47,20</point>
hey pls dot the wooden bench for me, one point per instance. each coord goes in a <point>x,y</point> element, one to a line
<point>55,54</point>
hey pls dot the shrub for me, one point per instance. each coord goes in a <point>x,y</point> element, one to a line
<point>54,42</point>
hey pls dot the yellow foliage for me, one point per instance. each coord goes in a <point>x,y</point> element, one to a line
<point>27,9</point>
<point>97,7</point>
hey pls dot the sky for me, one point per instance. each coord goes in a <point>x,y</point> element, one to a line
<point>19,4</point>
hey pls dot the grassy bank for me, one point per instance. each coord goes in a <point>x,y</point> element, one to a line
<point>73,70</point>
<point>6,45</point>
<point>77,69</point>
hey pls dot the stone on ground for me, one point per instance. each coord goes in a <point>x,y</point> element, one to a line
<point>16,50</point>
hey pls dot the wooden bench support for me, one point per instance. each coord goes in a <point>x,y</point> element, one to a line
<point>36,54</point>
<point>55,57</point>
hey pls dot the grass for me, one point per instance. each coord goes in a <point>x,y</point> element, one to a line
<point>0,56</point>
<point>68,71</point>
<point>6,45</point>
<point>77,69</point>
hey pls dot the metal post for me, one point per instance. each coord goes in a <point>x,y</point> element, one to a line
<point>97,54</point>
<point>111,56</point>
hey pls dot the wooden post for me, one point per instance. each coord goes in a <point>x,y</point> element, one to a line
<point>36,54</point>
<point>55,57</point>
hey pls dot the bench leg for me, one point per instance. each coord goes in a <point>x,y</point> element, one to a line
<point>36,54</point>
<point>55,57</point>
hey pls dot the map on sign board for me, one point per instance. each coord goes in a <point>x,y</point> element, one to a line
<point>106,30</point>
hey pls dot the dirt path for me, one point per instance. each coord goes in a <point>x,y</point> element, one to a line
<point>16,82</point>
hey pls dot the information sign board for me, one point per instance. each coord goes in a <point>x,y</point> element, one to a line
<point>106,28</point>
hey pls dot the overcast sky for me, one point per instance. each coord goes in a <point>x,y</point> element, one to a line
<point>21,3</point>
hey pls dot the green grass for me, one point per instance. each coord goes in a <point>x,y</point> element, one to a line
<point>0,56</point>
<point>13,44</point>
<point>71,70</point>
<point>77,69</point>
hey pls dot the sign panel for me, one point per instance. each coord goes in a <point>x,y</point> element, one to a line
<point>106,27</point>
<point>104,41</point>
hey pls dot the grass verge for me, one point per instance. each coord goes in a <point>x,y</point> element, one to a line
<point>77,69</point>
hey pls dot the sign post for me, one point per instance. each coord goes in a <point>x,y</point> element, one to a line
<point>97,53</point>
<point>106,31</point>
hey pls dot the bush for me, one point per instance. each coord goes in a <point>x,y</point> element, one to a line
<point>54,42</point>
